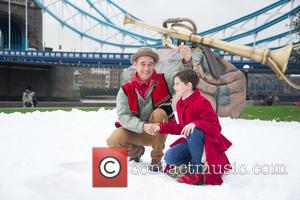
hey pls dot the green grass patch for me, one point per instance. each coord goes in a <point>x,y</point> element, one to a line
<point>278,113</point>
<point>48,109</point>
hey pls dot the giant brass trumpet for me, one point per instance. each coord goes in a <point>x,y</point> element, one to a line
<point>277,60</point>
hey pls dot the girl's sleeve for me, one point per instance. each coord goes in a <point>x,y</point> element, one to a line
<point>170,127</point>
<point>209,122</point>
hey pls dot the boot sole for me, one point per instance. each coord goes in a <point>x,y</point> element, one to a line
<point>137,159</point>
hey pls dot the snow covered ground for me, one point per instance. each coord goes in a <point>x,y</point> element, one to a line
<point>48,155</point>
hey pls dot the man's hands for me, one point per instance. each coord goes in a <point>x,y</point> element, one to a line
<point>151,129</point>
<point>186,52</point>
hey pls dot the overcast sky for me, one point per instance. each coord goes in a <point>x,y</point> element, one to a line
<point>206,14</point>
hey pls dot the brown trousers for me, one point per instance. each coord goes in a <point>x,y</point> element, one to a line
<point>122,137</point>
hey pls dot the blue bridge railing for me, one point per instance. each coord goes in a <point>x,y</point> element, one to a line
<point>114,60</point>
<point>66,58</point>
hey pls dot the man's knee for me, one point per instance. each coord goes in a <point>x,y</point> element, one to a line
<point>158,115</point>
<point>159,112</point>
<point>117,138</point>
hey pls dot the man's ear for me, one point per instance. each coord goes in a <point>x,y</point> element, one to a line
<point>134,63</point>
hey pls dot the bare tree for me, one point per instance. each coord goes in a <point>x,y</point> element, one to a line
<point>295,24</point>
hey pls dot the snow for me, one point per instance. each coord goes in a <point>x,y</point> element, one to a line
<point>48,155</point>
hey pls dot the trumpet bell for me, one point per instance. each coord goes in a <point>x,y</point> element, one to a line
<point>281,56</point>
<point>127,20</point>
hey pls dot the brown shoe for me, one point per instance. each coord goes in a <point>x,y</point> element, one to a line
<point>155,166</point>
<point>139,155</point>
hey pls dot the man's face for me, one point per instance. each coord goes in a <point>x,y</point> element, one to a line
<point>144,66</point>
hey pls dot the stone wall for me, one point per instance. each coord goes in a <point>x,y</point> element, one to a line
<point>49,82</point>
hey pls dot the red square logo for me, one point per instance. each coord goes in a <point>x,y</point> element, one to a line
<point>109,167</point>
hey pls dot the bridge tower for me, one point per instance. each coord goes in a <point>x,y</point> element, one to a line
<point>18,19</point>
<point>46,80</point>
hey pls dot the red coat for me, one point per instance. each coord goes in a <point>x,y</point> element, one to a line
<point>197,109</point>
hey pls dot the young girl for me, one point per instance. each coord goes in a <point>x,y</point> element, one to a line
<point>197,121</point>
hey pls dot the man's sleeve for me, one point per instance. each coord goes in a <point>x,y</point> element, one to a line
<point>126,118</point>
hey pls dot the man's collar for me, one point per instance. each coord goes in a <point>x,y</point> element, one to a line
<point>135,78</point>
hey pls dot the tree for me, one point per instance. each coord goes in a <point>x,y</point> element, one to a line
<point>295,24</point>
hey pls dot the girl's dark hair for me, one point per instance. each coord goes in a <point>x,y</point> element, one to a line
<point>188,75</point>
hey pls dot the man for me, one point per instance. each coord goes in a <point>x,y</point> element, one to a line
<point>142,100</point>
<point>28,98</point>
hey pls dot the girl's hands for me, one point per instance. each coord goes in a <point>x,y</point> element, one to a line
<point>188,129</point>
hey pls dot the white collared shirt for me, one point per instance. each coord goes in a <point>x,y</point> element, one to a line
<point>186,96</point>
<point>176,117</point>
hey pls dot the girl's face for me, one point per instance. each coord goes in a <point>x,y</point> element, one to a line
<point>181,88</point>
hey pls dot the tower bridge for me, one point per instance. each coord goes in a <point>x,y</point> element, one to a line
<point>58,73</point>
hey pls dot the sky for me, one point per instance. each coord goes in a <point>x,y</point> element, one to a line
<point>206,15</point>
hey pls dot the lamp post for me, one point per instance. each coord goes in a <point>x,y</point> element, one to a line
<point>77,79</point>
<point>26,25</point>
<point>246,69</point>
<point>9,26</point>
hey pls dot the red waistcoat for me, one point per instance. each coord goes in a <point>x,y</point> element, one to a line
<point>160,94</point>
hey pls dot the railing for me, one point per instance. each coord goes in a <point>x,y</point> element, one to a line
<point>60,57</point>
<point>113,60</point>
